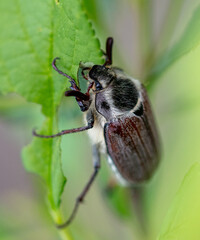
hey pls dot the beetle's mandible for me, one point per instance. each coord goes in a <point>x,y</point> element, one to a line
<point>119,120</point>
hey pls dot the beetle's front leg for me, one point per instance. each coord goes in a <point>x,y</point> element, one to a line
<point>83,99</point>
<point>72,81</point>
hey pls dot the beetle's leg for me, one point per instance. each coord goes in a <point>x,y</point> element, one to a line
<point>81,197</point>
<point>82,72</point>
<point>72,81</point>
<point>63,132</point>
<point>73,86</point>
<point>79,95</point>
<point>90,121</point>
<point>88,89</point>
<point>82,99</point>
<point>109,44</point>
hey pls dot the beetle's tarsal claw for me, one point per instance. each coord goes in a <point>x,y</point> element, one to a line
<point>34,132</point>
<point>61,226</point>
<point>54,63</point>
<point>74,86</point>
<point>59,71</point>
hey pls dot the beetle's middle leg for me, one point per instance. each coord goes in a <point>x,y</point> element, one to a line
<point>80,198</point>
<point>90,124</point>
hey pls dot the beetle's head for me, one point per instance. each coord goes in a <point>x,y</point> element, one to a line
<point>102,76</point>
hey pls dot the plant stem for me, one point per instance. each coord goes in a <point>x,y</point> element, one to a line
<point>57,217</point>
<point>64,234</point>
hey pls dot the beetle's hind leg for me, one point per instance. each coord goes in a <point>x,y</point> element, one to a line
<point>80,198</point>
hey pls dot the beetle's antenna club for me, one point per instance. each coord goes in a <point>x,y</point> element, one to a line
<point>109,44</point>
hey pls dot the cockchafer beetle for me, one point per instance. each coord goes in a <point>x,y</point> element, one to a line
<point>119,120</point>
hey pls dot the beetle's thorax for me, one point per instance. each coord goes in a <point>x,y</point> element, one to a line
<point>96,133</point>
<point>119,96</point>
<point>114,92</point>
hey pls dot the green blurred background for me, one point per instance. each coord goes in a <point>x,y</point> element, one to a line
<point>176,103</point>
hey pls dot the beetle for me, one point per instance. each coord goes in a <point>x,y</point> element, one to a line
<point>119,121</point>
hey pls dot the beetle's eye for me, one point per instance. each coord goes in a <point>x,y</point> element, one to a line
<point>101,75</point>
<point>98,86</point>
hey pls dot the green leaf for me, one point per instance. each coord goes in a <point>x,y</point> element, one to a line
<point>25,50</point>
<point>75,39</point>
<point>91,8</point>
<point>182,220</point>
<point>188,41</point>
<point>42,156</point>
<point>32,34</point>
<point>177,107</point>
